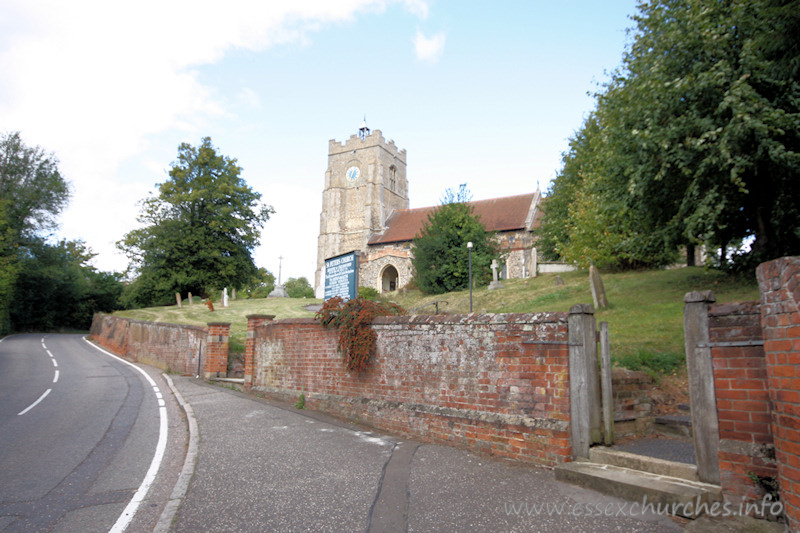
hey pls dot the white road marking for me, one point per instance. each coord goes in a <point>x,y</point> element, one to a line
<point>48,391</point>
<point>130,510</point>
<point>34,404</point>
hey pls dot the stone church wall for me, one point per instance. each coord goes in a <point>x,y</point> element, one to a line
<point>378,259</point>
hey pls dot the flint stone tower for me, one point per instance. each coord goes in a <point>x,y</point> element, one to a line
<point>364,184</point>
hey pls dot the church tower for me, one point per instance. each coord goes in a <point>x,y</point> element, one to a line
<point>365,182</point>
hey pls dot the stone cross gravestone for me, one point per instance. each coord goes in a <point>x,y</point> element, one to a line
<point>278,292</point>
<point>495,284</point>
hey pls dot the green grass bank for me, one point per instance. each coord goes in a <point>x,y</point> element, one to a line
<point>645,313</point>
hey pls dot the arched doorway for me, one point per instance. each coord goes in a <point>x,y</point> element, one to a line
<point>389,279</point>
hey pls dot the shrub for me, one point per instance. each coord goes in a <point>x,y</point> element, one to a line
<point>368,293</point>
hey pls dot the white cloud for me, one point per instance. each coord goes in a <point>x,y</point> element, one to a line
<point>429,49</point>
<point>91,80</point>
<point>249,98</point>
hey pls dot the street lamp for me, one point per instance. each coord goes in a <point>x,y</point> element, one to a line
<point>469,249</point>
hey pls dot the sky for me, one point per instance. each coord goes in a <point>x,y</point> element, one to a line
<point>477,92</point>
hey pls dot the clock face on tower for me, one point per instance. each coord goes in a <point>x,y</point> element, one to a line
<point>352,174</point>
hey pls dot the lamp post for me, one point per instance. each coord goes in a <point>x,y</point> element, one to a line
<point>469,250</point>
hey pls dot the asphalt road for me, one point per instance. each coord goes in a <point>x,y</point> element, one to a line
<point>81,434</point>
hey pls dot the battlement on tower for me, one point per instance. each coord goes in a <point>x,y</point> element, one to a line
<point>355,142</point>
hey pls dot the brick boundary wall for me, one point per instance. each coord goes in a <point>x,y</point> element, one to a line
<point>490,383</point>
<point>779,282</point>
<point>165,346</point>
<point>743,404</point>
<point>216,364</point>
<point>630,390</point>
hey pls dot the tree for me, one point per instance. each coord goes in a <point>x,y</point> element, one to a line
<point>441,260</point>
<point>298,288</point>
<point>199,232</point>
<point>57,288</point>
<point>32,194</point>
<point>261,285</point>
<point>696,138</point>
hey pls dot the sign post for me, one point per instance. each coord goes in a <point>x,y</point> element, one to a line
<point>341,276</point>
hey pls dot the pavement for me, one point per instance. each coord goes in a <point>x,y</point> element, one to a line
<point>266,466</point>
<point>667,448</point>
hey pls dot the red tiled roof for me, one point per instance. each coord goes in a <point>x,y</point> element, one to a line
<point>497,214</point>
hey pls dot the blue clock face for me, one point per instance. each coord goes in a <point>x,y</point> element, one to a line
<point>352,173</point>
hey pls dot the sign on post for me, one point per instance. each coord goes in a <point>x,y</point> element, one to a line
<point>341,276</point>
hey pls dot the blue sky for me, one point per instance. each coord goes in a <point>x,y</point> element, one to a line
<point>482,93</point>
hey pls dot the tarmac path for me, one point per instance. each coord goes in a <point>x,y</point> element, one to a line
<point>264,466</point>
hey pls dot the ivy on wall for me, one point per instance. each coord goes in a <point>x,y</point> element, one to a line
<point>353,318</point>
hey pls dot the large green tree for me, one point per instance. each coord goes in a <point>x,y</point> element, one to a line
<point>32,194</point>
<point>298,288</point>
<point>198,233</point>
<point>57,288</point>
<point>441,257</point>
<point>694,140</point>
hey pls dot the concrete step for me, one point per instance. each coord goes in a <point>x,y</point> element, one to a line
<point>661,467</point>
<point>677,425</point>
<point>682,496</point>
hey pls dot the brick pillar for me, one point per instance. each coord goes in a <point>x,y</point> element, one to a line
<point>253,322</point>
<point>779,282</point>
<point>217,350</point>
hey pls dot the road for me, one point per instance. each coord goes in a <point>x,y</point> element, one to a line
<point>82,437</point>
<point>89,443</point>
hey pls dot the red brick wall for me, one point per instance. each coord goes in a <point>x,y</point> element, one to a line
<point>253,323</point>
<point>779,282</point>
<point>216,361</point>
<point>630,390</point>
<point>491,383</point>
<point>743,402</point>
<point>165,346</point>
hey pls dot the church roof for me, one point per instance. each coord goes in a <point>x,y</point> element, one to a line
<point>497,214</point>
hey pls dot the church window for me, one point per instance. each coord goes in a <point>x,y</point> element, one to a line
<point>392,178</point>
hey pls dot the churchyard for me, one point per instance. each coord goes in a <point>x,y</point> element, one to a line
<point>645,312</point>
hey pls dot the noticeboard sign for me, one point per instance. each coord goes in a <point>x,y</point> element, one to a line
<point>341,276</point>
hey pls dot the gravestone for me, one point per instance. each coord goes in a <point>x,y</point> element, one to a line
<point>190,299</point>
<point>495,284</point>
<point>559,282</point>
<point>598,291</point>
<point>225,297</point>
<point>178,300</point>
